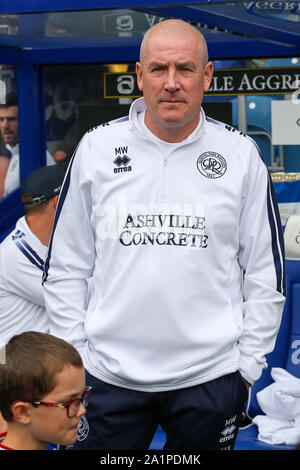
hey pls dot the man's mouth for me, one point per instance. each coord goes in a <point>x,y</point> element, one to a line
<point>172,100</point>
<point>7,137</point>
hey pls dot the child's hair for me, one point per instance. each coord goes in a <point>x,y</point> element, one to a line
<point>32,361</point>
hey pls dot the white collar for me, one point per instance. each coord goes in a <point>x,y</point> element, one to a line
<point>13,149</point>
<point>136,116</point>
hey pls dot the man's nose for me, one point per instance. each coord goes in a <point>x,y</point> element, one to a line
<point>171,80</point>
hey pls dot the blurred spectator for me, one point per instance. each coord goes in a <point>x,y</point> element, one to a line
<point>4,164</point>
<point>9,127</point>
<point>63,154</point>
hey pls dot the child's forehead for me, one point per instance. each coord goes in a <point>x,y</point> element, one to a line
<point>69,383</point>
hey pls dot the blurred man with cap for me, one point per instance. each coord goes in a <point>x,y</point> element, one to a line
<point>22,255</point>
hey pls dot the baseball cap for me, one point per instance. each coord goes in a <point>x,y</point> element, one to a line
<point>42,184</point>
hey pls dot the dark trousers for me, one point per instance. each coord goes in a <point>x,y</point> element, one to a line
<point>203,417</point>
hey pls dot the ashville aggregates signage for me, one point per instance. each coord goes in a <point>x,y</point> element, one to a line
<point>252,81</point>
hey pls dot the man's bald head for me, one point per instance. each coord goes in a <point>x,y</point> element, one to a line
<point>179,27</point>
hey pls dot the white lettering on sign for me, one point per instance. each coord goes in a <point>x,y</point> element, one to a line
<point>296,354</point>
<point>125,84</point>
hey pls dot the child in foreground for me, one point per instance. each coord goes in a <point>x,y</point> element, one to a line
<point>42,392</point>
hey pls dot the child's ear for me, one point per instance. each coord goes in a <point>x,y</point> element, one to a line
<point>21,412</point>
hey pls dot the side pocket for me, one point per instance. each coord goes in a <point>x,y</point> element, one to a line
<point>245,388</point>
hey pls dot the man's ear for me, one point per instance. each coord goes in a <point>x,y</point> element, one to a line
<point>208,74</point>
<point>21,412</point>
<point>139,75</point>
<point>55,200</point>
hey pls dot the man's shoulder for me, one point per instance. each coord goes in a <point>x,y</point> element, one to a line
<point>20,230</point>
<point>16,242</point>
<point>105,127</point>
<point>228,132</point>
<point>9,256</point>
<point>8,245</point>
<point>223,127</point>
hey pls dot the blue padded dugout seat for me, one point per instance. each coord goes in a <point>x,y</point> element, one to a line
<point>258,114</point>
<point>286,354</point>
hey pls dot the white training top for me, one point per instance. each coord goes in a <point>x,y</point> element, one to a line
<point>22,306</point>
<point>164,230</point>
<point>12,178</point>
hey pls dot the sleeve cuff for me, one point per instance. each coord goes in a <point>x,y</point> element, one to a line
<point>251,369</point>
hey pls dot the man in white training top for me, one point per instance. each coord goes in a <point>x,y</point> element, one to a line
<point>163,209</point>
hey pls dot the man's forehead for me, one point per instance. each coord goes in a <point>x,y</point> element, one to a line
<point>181,51</point>
<point>179,62</point>
<point>10,111</point>
<point>175,59</point>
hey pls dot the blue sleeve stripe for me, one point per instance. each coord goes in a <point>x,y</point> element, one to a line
<point>34,258</point>
<point>277,238</point>
<point>276,231</point>
<point>34,253</point>
<point>60,204</point>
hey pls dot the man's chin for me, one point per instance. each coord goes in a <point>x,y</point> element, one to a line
<point>9,142</point>
<point>172,120</point>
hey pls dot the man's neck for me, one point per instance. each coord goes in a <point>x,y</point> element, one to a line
<point>171,133</point>
<point>12,146</point>
<point>39,227</point>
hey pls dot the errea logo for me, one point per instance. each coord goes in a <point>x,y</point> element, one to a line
<point>18,234</point>
<point>229,430</point>
<point>121,161</point>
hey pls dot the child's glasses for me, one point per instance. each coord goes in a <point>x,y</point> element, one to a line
<point>71,406</point>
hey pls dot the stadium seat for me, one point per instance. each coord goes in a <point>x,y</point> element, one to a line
<point>291,158</point>
<point>258,115</point>
<point>286,354</point>
<point>258,110</point>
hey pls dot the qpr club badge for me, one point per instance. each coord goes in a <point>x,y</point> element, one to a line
<point>83,429</point>
<point>212,165</point>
